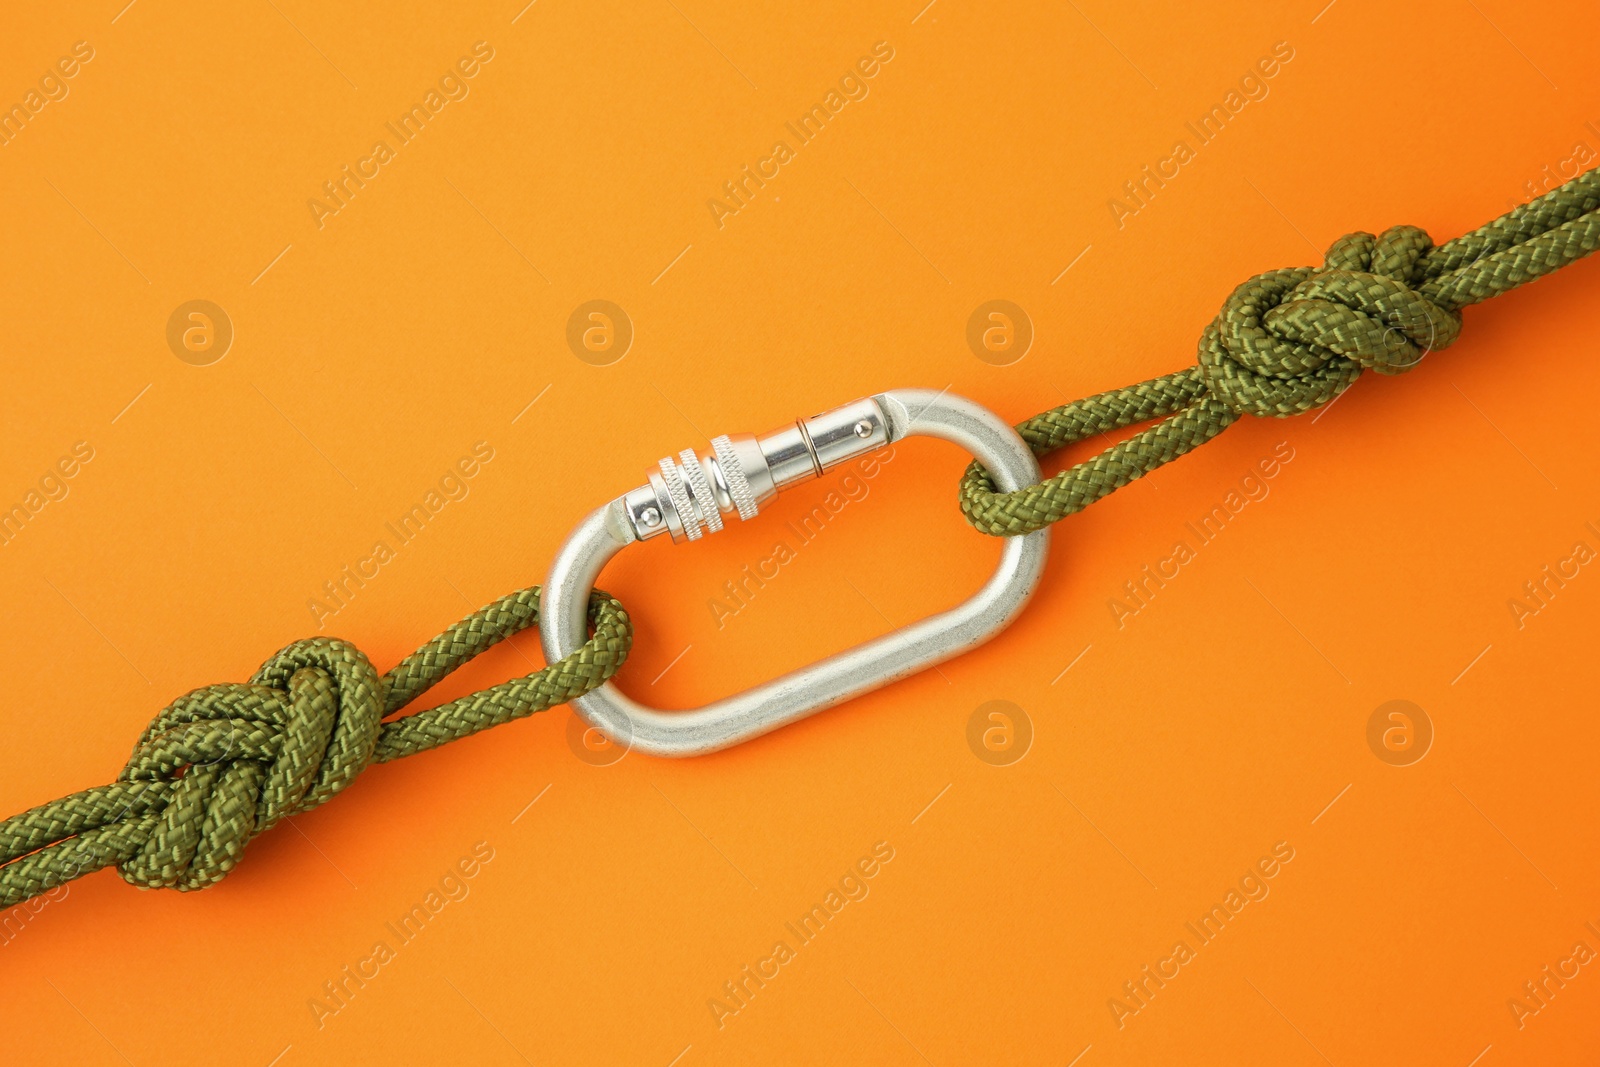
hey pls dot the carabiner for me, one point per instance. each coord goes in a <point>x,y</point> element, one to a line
<point>689,495</point>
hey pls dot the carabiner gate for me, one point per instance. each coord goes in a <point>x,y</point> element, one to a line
<point>689,495</point>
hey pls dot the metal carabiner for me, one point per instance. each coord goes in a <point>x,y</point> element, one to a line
<point>689,495</point>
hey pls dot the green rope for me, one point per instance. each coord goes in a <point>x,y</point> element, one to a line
<point>224,763</point>
<point>1288,341</point>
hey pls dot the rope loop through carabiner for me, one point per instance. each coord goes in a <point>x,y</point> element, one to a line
<point>1290,341</point>
<point>225,763</point>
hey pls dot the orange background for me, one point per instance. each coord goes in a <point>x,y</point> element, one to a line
<point>1227,715</point>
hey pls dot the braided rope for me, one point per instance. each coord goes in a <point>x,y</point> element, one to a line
<point>224,763</point>
<point>1288,341</point>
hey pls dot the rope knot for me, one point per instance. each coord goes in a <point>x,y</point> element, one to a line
<point>235,759</point>
<point>223,764</point>
<point>1291,340</point>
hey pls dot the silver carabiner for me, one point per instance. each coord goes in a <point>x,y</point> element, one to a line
<point>689,495</point>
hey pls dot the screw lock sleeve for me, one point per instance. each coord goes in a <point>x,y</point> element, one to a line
<point>687,495</point>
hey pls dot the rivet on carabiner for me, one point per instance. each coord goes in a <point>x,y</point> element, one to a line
<point>689,495</point>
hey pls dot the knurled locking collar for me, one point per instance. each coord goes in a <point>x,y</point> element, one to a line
<point>687,495</point>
